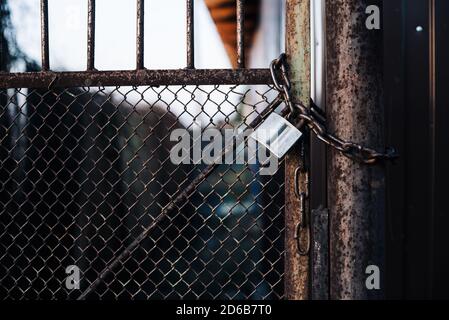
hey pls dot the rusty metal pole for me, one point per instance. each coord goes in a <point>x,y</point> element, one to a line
<point>356,192</point>
<point>298,53</point>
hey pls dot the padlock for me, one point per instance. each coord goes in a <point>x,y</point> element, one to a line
<point>276,134</point>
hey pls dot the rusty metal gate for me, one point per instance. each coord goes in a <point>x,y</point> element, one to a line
<point>87,182</point>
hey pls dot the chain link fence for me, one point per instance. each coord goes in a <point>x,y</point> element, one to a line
<point>84,170</point>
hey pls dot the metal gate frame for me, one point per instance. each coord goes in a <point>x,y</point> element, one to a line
<point>298,49</point>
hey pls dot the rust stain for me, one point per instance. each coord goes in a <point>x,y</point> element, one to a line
<point>298,52</point>
<point>134,78</point>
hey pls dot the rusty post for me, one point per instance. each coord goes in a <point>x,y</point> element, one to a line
<point>356,192</point>
<point>298,52</point>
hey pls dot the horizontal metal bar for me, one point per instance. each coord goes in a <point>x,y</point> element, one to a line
<point>143,77</point>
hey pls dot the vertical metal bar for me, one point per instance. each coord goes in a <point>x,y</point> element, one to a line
<point>296,277</point>
<point>395,107</point>
<point>241,34</point>
<point>140,35</point>
<point>355,111</point>
<point>441,222</point>
<point>44,36</point>
<point>432,147</point>
<point>190,35</point>
<point>91,35</point>
<point>319,263</point>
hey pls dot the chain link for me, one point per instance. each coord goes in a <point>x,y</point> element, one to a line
<point>311,118</point>
<point>302,230</point>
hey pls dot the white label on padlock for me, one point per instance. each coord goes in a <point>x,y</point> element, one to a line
<point>277,135</point>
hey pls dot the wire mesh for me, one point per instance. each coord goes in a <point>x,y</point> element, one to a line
<point>84,170</point>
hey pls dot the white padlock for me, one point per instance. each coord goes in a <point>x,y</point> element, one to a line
<point>276,134</point>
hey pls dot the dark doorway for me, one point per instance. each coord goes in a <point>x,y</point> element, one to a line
<point>417,106</point>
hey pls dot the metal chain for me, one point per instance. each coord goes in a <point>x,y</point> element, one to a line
<point>315,121</point>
